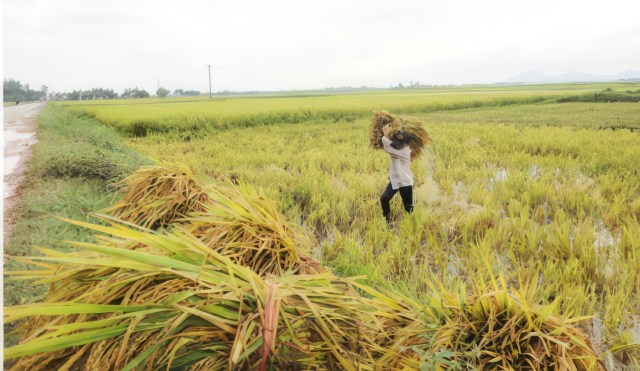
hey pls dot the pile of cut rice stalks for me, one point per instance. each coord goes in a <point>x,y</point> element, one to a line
<point>143,299</point>
<point>229,284</point>
<point>156,196</point>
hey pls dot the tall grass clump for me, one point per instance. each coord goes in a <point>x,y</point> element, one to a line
<point>75,146</point>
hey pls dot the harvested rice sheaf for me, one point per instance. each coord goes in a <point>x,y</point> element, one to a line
<point>242,224</point>
<point>504,329</point>
<point>239,222</point>
<point>142,299</point>
<point>156,196</point>
<point>419,138</point>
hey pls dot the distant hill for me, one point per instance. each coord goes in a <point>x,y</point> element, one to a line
<point>537,77</point>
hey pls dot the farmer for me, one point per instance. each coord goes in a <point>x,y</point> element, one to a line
<point>400,176</point>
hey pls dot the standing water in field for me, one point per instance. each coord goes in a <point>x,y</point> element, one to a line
<point>501,174</point>
<point>428,192</point>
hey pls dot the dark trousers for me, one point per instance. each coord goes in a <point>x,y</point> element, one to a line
<point>407,199</point>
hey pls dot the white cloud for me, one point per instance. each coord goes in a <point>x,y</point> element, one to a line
<point>74,44</point>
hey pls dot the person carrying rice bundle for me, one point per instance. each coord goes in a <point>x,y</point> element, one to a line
<point>396,144</point>
<point>404,139</point>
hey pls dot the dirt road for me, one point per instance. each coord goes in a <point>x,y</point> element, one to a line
<point>19,135</point>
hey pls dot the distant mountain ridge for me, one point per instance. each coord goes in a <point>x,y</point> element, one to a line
<point>538,77</point>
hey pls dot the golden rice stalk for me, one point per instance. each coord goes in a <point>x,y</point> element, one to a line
<point>153,300</point>
<point>156,196</point>
<point>419,137</point>
<point>210,363</point>
<point>242,224</point>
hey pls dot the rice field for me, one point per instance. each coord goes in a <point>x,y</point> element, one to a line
<point>138,117</point>
<point>517,195</point>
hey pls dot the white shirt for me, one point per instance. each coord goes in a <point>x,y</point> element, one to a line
<point>400,173</point>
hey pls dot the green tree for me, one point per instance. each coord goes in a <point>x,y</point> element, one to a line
<point>162,92</point>
<point>13,90</point>
<point>74,95</point>
<point>191,93</point>
<point>135,93</point>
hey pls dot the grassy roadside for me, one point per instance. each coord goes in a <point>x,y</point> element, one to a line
<point>70,174</point>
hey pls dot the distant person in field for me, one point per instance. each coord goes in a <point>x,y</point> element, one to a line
<point>400,176</point>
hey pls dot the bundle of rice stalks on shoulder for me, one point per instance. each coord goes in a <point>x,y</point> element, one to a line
<point>156,196</point>
<point>381,119</point>
<point>418,137</point>
<point>242,224</point>
<point>166,301</point>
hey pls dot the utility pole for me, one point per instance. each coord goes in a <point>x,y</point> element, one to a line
<point>158,83</point>
<point>209,81</point>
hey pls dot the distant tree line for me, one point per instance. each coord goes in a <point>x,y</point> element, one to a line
<point>189,93</point>
<point>411,85</point>
<point>14,91</point>
<point>84,95</point>
<point>135,93</point>
<point>99,93</point>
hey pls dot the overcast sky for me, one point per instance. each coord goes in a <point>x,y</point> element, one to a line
<point>299,44</point>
